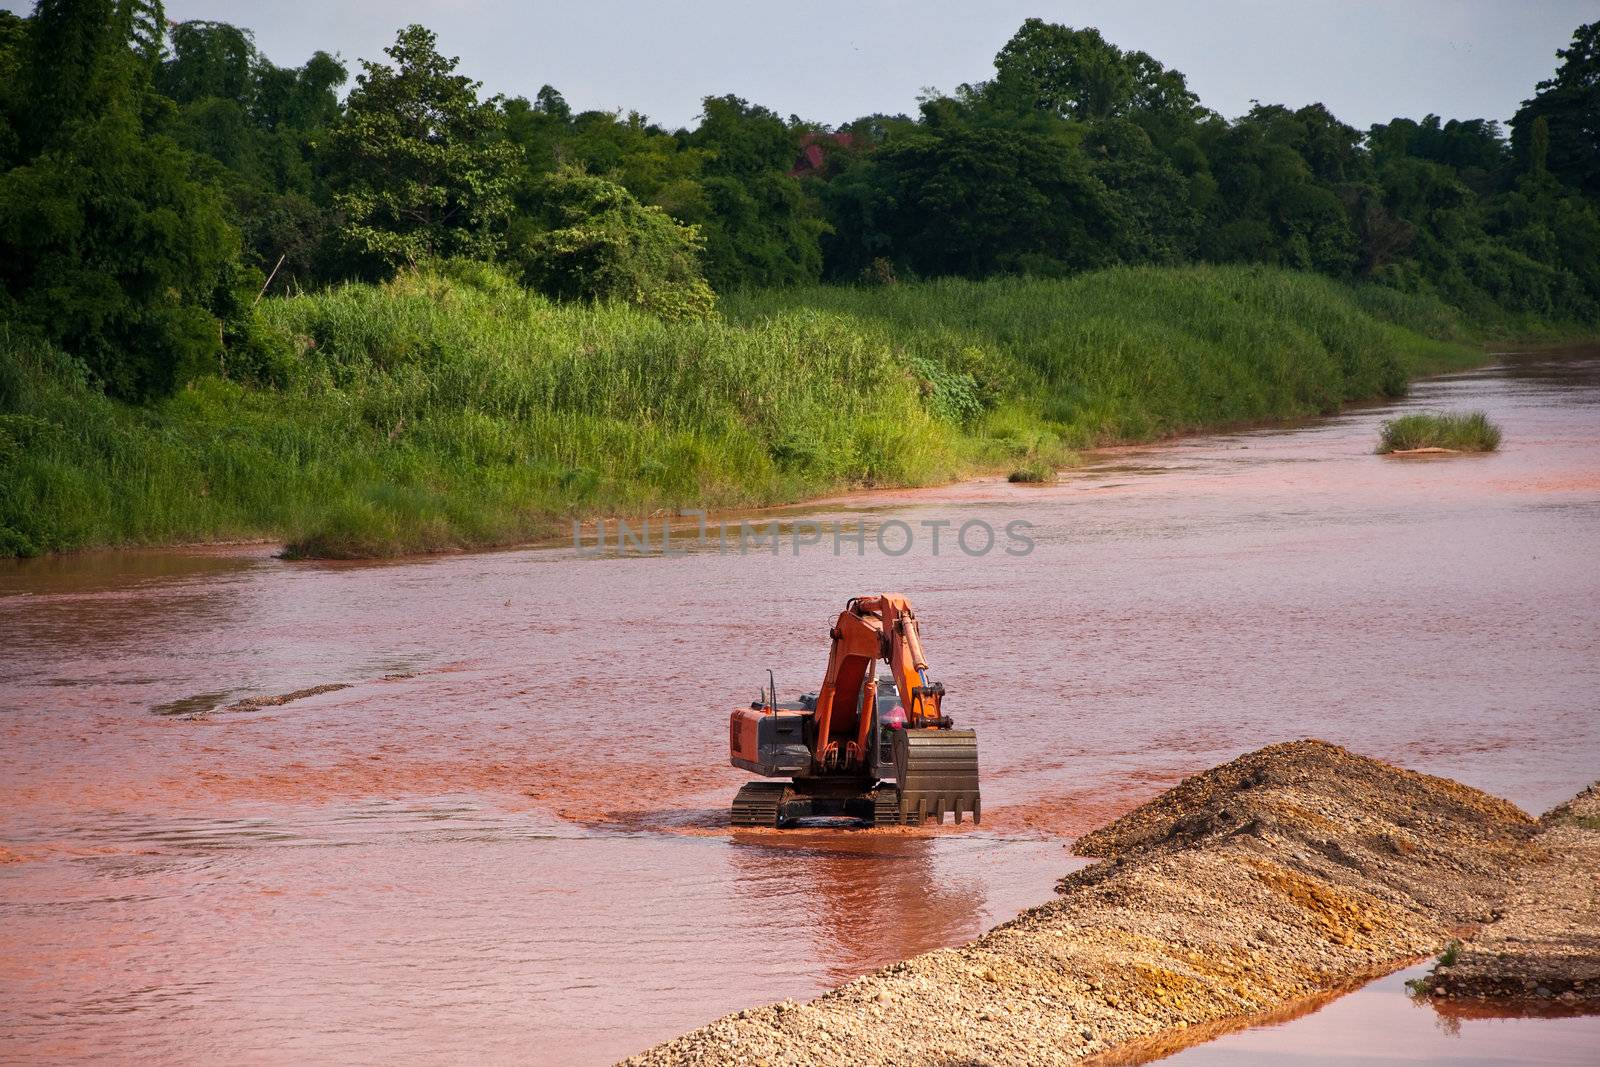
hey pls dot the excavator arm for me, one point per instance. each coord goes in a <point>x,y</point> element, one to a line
<point>872,628</point>
<point>857,644</point>
<point>921,698</point>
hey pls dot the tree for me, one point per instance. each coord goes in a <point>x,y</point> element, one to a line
<point>1332,150</point>
<point>109,247</point>
<point>1161,92</point>
<point>975,202</point>
<point>419,164</point>
<point>1151,195</point>
<point>1078,74</point>
<point>540,129</point>
<point>1073,73</point>
<point>81,60</point>
<point>549,101</point>
<point>640,156</point>
<point>1270,207</point>
<point>1380,236</point>
<point>1476,149</point>
<point>13,49</point>
<point>302,98</point>
<point>627,150</point>
<point>1569,105</point>
<point>209,59</point>
<point>593,241</point>
<point>258,121</point>
<point>760,228</point>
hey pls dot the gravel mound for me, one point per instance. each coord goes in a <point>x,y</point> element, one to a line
<point>1293,870</point>
<point>1545,945</point>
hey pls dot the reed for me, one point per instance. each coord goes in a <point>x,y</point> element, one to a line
<point>452,409</point>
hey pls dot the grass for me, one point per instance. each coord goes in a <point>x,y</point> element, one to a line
<point>1036,472</point>
<point>1141,353</point>
<point>453,410</point>
<point>1471,432</point>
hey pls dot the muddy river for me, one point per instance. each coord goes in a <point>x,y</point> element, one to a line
<point>505,837</point>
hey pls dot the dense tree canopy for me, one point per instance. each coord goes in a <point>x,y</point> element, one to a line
<point>110,246</point>
<point>979,201</point>
<point>1569,105</point>
<point>760,228</point>
<point>1078,74</point>
<point>152,177</point>
<point>254,122</point>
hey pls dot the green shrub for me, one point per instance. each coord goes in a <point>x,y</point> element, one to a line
<point>597,243</point>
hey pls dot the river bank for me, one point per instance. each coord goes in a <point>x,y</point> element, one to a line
<point>1544,943</point>
<point>447,411</point>
<point>1295,870</point>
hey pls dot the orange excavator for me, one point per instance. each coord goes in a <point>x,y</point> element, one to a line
<point>874,747</point>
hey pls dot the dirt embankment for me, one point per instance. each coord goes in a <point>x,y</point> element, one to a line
<point>1545,945</point>
<point>1290,871</point>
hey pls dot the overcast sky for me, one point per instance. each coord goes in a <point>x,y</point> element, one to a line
<point>833,61</point>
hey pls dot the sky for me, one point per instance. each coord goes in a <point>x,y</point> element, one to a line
<point>832,61</point>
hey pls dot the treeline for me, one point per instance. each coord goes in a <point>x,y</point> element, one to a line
<point>158,179</point>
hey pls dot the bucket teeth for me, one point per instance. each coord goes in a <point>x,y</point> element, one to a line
<point>937,772</point>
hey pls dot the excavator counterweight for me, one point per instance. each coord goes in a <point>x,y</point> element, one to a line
<point>872,746</point>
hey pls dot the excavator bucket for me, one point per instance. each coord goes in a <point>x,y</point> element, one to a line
<point>937,772</point>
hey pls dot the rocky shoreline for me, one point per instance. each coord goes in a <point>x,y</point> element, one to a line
<point>1289,872</point>
<point>1544,946</point>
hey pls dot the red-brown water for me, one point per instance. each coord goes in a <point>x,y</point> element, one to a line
<point>505,839</point>
<point>1381,1023</point>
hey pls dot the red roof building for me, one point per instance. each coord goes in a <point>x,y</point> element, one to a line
<point>813,153</point>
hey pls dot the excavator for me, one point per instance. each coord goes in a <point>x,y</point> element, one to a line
<point>875,747</point>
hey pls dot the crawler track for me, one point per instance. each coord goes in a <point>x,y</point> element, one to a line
<point>759,803</point>
<point>886,806</point>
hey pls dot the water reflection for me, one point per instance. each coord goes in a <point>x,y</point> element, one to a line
<point>114,571</point>
<point>1381,1023</point>
<point>862,900</point>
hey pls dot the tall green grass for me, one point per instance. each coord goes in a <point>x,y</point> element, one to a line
<point>1138,353</point>
<point>1470,432</point>
<point>453,409</point>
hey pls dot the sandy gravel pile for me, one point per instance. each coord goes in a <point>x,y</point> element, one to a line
<point>1546,943</point>
<point>1295,869</point>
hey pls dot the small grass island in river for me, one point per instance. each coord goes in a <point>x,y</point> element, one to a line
<point>1429,432</point>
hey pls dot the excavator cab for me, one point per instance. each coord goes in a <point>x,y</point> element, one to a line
<point>858,748</point>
